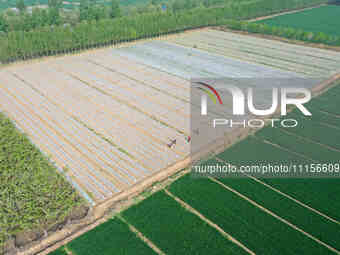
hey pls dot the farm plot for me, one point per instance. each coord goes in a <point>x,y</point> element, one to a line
<point>191,63</point>
<point>183,233</point>
<point>303,60</point>
<point>311,222</point>
<point>323,19</point>
<point>315,138</point>
<point>104,142</point>
<point>292,216</point>
<point>111,237</point>
<point>256,229</point>
<point>108,118</point>
<point>258,152</point>
<point>287,140</point>
<point>321,194</point>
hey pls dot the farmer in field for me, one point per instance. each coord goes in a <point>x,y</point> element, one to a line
<point>172,143</point>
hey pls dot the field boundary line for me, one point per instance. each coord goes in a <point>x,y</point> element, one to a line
<point>209,222</point>
<point>106,136</point>
<point>279,39</point>
<point>66,140</point>
<point>147,72</point>
<point>295,200</point>
<point>284,148</point>
<point>46,124</point>
<point>312,141</point>
<point>330,113</point>
<point>123,101</point>
<point>100,212</point>
<point>141,83</point>
<point>142,237</point>
<point>68,251</point>
<point>275,216</point>
<point>53,159</point>
<point>252,51</point>
<point>161,145</point>
<point>285,13</point>
<point>288,196</point>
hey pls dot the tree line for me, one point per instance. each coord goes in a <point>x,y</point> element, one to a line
<point>54,15</point>
<point>60,39</point>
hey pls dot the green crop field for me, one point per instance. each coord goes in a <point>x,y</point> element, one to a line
<point>300,216</point>
<point>256,229</point>
<point>175,230</point>
<point>316,131</point>
<point>32,193</point>
<point>328,103</point>
<point>306,148</point>
<point>316,193</point>
<point>111,237</point>
<point>258,151</point>
<point>60,251</point>
<point>322,19</point>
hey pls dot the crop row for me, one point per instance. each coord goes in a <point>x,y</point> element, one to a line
<point>322,19</point>
<point>174,59</point>
<point>321,194</point>
<point>252,151</point>
<point>111,237</point>
<point>275,54</point>
<point>175,230</point>
<point>256,229</point>
<point>291,142</point>
<point>289,210</point>
<point>317,138</point>
<point>168,225</point>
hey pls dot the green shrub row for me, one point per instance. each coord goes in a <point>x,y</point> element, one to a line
<point>32,194</point>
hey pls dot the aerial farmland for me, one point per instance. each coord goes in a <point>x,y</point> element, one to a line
<point>169,127</point>
<point>106,118</point>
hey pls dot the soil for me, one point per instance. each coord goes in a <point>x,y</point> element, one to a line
<point>281,39</point>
